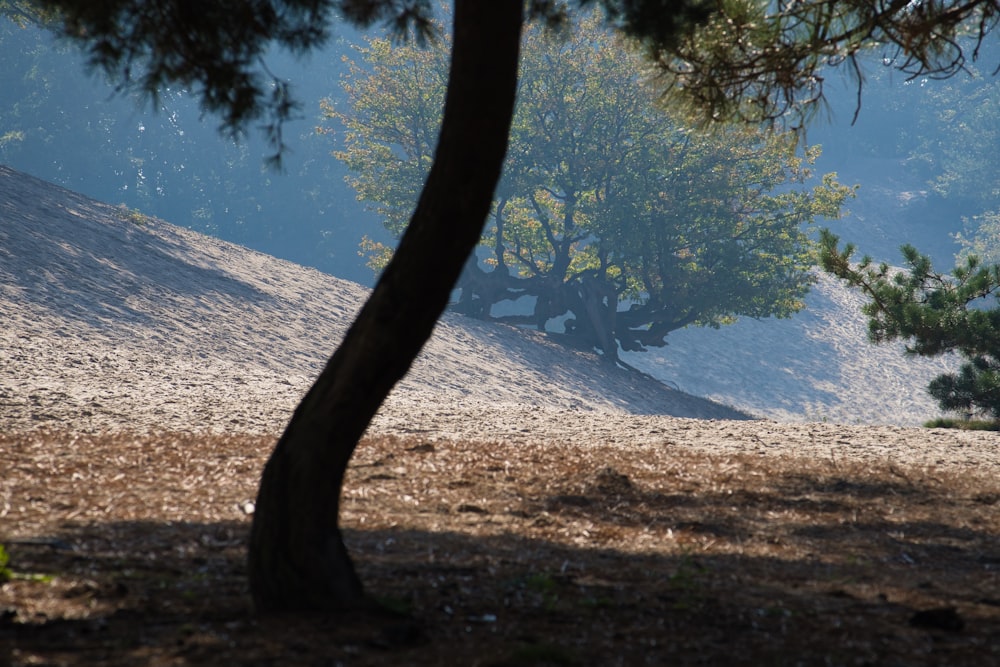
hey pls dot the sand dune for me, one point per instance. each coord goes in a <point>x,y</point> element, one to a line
<point>113,320</point>
<point>116,322</point>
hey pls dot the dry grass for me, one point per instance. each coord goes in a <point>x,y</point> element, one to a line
<point>564,554</point>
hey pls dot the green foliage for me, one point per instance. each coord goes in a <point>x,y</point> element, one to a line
<point>964,424</point>
<point>395,96</point>
<point>975,387</point>
<point>607,199</point>
<point>955,141</point>
<point>765,61</point>
<point>6,574</point>
<point>134,216</point>
<point>936,314</point>
<point>24,13</point>
<point>11,136</point>
<point>983,232</point>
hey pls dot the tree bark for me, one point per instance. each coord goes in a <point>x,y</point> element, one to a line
<point>297,559</point>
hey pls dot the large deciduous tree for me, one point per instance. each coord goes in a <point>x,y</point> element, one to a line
<point>749,59</point>
<point>613,215</point>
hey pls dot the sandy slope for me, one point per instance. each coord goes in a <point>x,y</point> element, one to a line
<point>819,365</point>
<point>815,366</point>
<point>111,322</point>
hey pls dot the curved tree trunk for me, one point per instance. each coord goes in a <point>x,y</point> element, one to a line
<point>297,559</point>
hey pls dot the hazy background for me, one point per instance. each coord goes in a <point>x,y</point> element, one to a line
<point>62,125</point>
<point>926,155</point>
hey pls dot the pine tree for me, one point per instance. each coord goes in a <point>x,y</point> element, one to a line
<point>937,314</point>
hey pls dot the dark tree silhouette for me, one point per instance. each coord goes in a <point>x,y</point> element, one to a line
<point>297,559</point>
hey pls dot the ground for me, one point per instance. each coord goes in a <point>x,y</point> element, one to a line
<point>517,503</point>
<point>130,549</point>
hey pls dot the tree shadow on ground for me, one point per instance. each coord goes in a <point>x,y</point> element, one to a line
<point>504,554</point>
<point>143,593</point>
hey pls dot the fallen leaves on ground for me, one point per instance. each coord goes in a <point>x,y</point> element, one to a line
<point>129,550</point>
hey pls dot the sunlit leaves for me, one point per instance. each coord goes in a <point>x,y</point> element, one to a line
<point>603,191</point>
<point>390,124</point>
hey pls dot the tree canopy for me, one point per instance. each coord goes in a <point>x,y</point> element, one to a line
<point>762,61</point>
<point>936,313</point>
<point>612,212</point>
<point>745,59</point>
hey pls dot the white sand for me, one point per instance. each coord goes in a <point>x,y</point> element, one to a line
<point>113,323</point>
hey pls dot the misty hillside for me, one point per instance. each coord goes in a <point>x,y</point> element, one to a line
<point>113,320</point>
<point>819,365</point>
<point>116,320</point>
<point>71,129</point>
